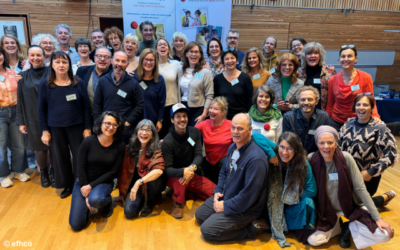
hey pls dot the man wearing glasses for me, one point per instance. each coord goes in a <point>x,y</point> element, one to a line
<point>306,119</point>
<point>232,41</point>
<point>232,212</point>
<point>117,91</point>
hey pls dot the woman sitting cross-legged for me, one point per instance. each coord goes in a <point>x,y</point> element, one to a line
<point>100,156</point>
<point>140,178</point>
<point>291,189</point>
<point>342,192</point>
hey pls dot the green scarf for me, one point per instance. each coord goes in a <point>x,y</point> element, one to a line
<point>271,113</point>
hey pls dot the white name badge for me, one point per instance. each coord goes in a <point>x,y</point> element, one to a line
<point>311,132</point>
<point>17,70</point>
<point>317,80</point>
<point>143,85</point>
<point>121,93</point>
<point>198,76</point>
<point>333,177</point>
<point>355,87</point>
<point>272,71</point>
<point>233,82</point>
<point>191,141</point>
<point>2,78</point>
<point>71,97</point>
<point>255,77</point>
<point>257,131</point>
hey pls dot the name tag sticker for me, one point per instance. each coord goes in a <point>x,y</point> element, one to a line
<point>311,132</point>
<point>355,87</point>
<point>17,70</point>
<point>143,85</point>
<point>2,78</point>
<point>272,70</point>
<point>233,82</point>
<point>198,76</point>
<point>190,140</point>
<point>71,97</point>
<point>255,77</point>
<point>257,131</point>
<point>121,93</point>
<point>317,80</point>
<point>333,177</point>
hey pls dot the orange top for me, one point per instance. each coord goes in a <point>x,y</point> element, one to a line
<point>8,90</point>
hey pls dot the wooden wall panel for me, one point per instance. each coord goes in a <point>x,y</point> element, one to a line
<point>331,28</point>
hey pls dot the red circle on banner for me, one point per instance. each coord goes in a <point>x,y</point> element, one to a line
<point>134,25</point>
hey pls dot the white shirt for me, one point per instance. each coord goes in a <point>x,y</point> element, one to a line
<point>272,134</point>
<point>169,71</point>
<point>187,76</point>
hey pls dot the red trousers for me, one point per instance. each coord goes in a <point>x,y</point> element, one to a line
<point>199,188</point>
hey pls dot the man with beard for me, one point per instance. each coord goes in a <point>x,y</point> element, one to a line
<point>239,198</point>
<point>306,119</point>
<point>63,34</point>
<point>90,75</point>
<point>119,92</point>
<point>270,55</point>
<point>232,41</point>
<point>147,30</point>
<point>97,41</point>
<point>182,151</point>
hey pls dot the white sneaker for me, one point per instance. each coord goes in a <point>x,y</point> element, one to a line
<point>22,177</point>
<point>7,182</point>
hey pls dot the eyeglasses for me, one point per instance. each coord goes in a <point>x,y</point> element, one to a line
<point>162,45</point>
<point>109,124</point>
<point>289,150</point>
<point>351,46</point>
<point>47,44</point>
<point>145,130</point>
<point>229,49</point>
<point>232,38</point>
<point>101,57</point>
<point>365,93</point>
<point>114,39</point>
<point>214,47</point>
<point>149,60</point>
<point>194,52</point>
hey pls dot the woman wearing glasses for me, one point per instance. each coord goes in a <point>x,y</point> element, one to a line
<point>235,85</point>
<point>140,179</point>
<point>341,192</point>
<point>131,46</point>
<point>168,68</point>
<point>195,83</point>
<point>314,72</point>
<point>49,44</point>
<point>345,86</point>
<point>291,190</point>
<point>113,38</point>
<point>372,146</point>
<point>296,47</point>
<point>100,157</point>
<point>254,64</point>
<point>153,87</point>
<point>214,49</point>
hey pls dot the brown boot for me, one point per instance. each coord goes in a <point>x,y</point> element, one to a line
<point>177,209</point>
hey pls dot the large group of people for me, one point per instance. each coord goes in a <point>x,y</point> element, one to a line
<point>269,143</point>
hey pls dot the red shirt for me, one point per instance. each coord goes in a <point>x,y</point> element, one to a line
<point>341,98</point>
<point>216,139</point>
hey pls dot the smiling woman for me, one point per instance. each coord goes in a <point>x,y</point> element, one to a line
<point>113,37</point>
<point>131,46</point>
<point>83,48</point>
<point>254,64</point>
<point>13,49</point>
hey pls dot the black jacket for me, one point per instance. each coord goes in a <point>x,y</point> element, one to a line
<point>85,72</point>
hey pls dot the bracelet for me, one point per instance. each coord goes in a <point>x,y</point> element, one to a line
<point>193,166</point>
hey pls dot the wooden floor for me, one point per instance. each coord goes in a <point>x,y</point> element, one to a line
<point>37,216</point>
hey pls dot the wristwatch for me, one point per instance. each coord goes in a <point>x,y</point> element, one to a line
<point>194,167</point>
<point>141,180</point>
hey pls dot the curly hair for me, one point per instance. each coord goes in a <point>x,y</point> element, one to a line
<point>113,30</point>
<point>261,59</point>
<point>293,59</point>
<point>297,165</point>
<point>185,60</point>
<point>20,54</point>
<point>135,144</point>
<point>37,40</point>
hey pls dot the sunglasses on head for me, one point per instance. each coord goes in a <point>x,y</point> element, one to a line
<point>229,49</point>
<point>364,93</point>
<point>351,46</point>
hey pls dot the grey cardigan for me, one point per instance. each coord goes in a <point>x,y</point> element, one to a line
<point>275,84</point>
<point>201,92</point>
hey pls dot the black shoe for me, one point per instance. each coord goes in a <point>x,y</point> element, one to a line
<point>146,210</point>
<point>344,237</point>
<point>44,179</point>
<point>53,180</point>
<point>107,210</point>
<point>67,192</point>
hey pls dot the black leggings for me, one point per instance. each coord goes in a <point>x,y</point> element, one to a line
<point>41,158</point>
<point>372,187</point>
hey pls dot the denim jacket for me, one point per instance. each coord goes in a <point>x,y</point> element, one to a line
<point>294,121</point>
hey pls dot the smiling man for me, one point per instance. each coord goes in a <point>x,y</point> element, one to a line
<point>306,119</point>
<point>270,55</point>
<point>119,92</point>
<point>63,34</point>
<point>97,41</point>
<point>182,151</point>
<point>232,41</point>
<point>231,214</point>
<point>147,30</point>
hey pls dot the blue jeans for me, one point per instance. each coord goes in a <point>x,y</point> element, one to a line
<point>99,197</point>
<point>9,129</point>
